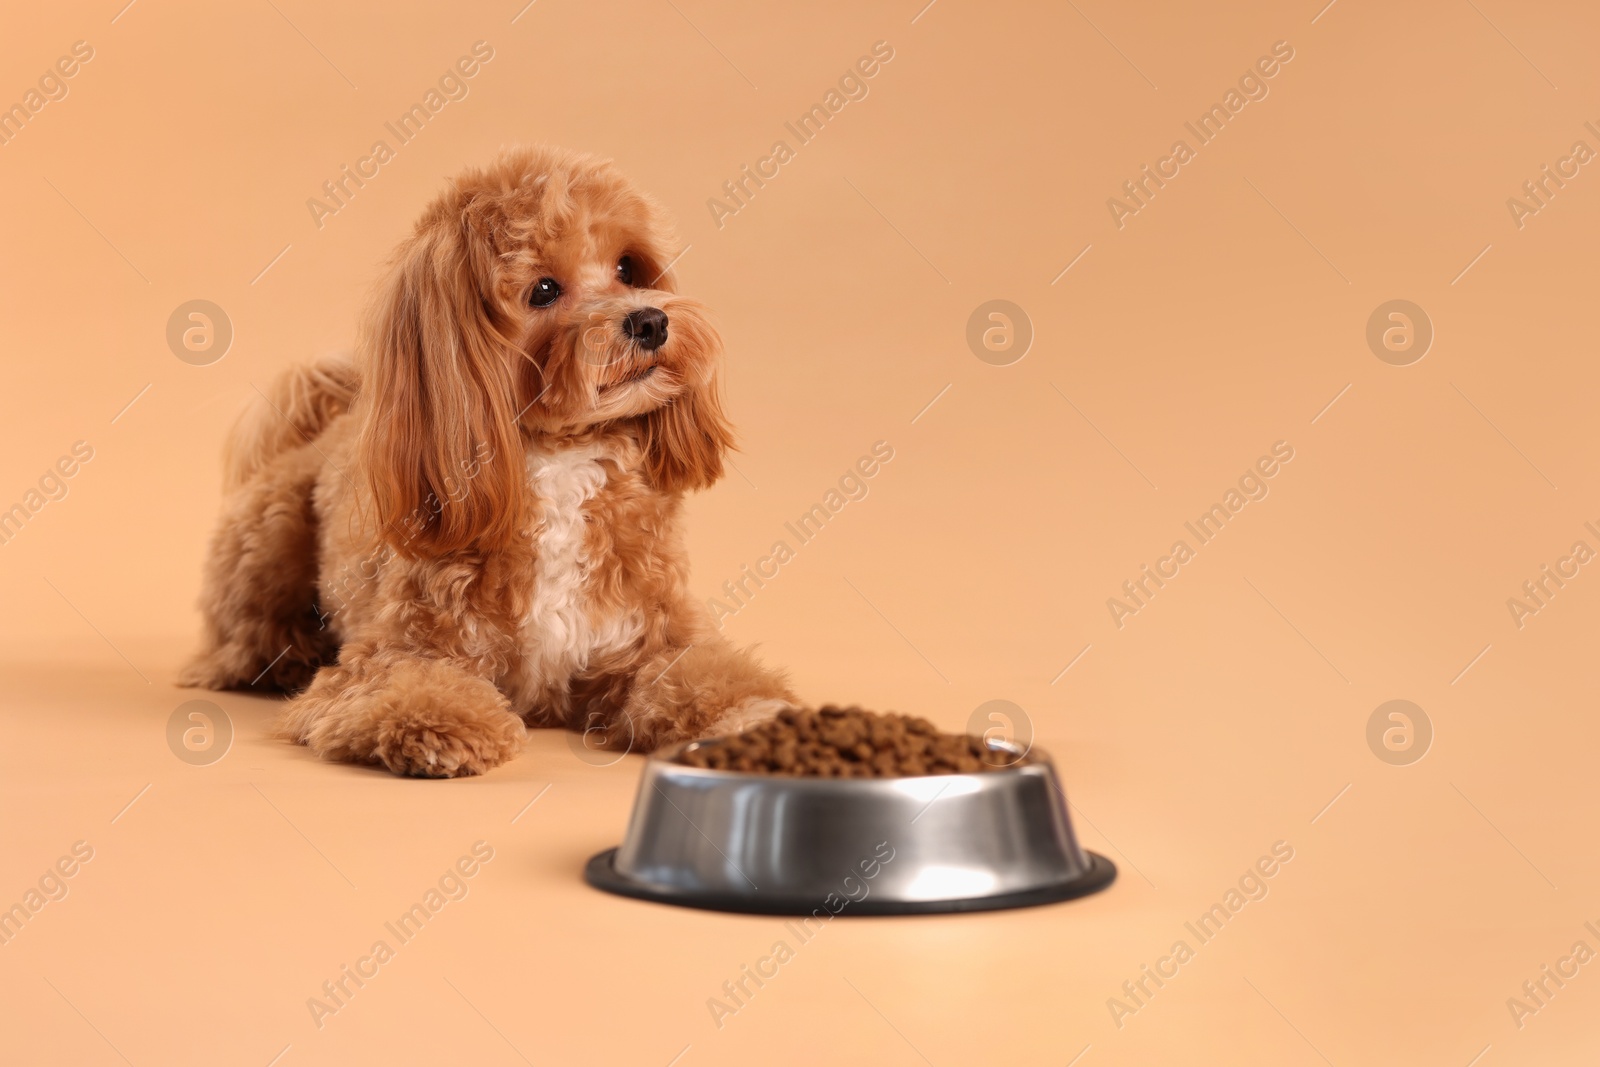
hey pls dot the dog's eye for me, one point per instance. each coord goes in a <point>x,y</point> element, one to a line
<point>544,293</point>
<point>625,270</point>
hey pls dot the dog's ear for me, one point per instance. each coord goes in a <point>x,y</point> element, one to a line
<point>685,439</point>
<point>439,441</point>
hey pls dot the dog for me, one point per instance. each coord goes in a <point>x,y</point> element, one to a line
<point>475,525</point>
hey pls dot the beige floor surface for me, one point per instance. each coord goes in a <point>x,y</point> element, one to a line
<point>219,898</point>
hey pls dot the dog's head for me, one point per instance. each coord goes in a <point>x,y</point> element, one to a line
<point>534,297</point>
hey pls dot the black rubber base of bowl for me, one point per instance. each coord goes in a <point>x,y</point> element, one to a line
<point>600,873</point>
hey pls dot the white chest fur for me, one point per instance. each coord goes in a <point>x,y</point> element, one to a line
<point>562,634</point>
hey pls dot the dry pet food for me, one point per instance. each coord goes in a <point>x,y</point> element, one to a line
<point>834,742</point>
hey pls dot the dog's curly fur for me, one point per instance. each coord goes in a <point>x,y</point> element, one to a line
<point>477,524</point>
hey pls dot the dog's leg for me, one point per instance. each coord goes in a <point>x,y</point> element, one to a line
<point>259,591</point>
<point>415,715</point>
<point>700,690</point>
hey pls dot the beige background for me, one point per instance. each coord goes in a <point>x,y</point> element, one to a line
<point>1225,716</point>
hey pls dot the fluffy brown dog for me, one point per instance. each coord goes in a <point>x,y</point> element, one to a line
<point>481,519</point>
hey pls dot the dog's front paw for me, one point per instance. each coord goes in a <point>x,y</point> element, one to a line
<point>427,744</point>
<point>417,717</point>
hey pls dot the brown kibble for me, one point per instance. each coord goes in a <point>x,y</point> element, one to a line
<point>835,742</point>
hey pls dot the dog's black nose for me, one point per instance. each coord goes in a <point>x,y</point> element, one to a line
<point>647,327</point>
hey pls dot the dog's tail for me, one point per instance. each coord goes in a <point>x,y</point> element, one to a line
<point>295,409</point>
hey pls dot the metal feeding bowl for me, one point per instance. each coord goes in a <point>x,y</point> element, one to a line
<point>786,845</point>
